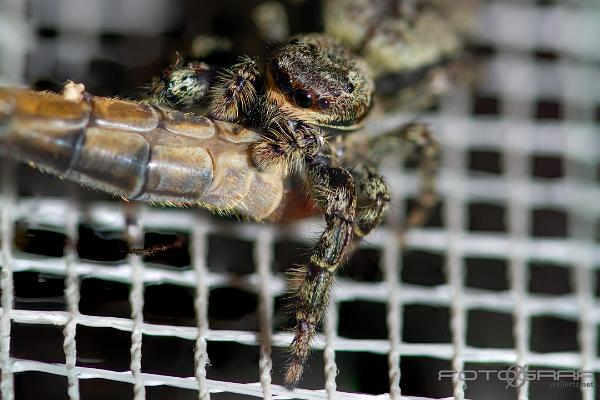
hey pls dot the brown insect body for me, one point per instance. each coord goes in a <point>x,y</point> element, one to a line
<point>139,151</point>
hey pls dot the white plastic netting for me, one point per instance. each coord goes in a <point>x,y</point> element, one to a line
<point>505,274</point>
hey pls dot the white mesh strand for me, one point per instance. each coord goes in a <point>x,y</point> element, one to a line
<point>514,30</point>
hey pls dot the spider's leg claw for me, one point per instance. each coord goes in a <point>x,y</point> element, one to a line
<point>292,374</point>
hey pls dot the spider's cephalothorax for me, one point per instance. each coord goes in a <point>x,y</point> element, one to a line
<point>310,82</point>
<point>312,79</point>
<point>316,80</point>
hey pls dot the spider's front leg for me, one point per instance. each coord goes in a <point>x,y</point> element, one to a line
<point>334,190</point>
<point>234,93</point>
<point>413,141</point>
<point>374,198</point>
<point>188,84</point>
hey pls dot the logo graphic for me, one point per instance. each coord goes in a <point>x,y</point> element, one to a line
<point>516,376</point>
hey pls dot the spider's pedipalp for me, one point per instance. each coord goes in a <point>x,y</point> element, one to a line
<point>373,201</point>
<point>234,92</point>
<point>413,141</point>
<point>286,144</point>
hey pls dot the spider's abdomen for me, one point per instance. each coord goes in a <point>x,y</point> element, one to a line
<point>139,151</point>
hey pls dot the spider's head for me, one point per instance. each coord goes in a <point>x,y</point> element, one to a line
<point>314,79</point>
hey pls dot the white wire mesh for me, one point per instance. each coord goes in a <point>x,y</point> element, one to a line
<point>543,54</point>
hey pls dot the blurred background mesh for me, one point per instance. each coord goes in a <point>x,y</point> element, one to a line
<point>505,272</point>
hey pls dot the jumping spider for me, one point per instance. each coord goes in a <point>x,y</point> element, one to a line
<point>303,97</point>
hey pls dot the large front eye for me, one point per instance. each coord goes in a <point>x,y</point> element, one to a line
<point>282,78</point>
<point>323,103</point>
<point>284,82</point>
<point>303,98</point>
<point>349,86</point>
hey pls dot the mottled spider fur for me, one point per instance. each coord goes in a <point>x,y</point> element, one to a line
<point>302,96</point>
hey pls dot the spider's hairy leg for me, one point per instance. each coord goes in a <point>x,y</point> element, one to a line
<point>235,93</point>
<point>374,198</point>
<point>334,190</point>
<point>413,141</point>
<point>286,144</point>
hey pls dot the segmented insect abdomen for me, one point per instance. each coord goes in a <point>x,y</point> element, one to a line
<point>139,151</point>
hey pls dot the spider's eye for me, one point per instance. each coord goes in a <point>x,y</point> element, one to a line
<point>284,82</point>
<point>282,78</point>
<point>323,103</point>
<point>349,86</point>
<point>303,98</point>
